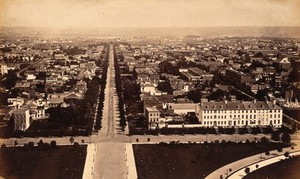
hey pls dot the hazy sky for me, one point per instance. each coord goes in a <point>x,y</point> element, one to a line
<point>149,13</point>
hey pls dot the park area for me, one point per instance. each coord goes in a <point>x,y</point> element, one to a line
<point>42,162</point>
<point>154,161</point>
<point>286,169</point>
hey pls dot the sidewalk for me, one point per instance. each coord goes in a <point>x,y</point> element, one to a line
<point>237,165</point>
<point>241,172</point>
<point>88,170</point>
<point>130,163</point>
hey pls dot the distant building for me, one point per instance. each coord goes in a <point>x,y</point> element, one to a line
<point>146,74</point>
<point>196,76</point>
<point>3,69</point>
<point>239,114</point>
<point>238,76</point>
<point>182,108</point>
<point>152,115</point>
<point>21,119</point>
<point>282,63</point>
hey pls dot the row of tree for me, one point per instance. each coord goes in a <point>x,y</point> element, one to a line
<point>98,125</point>
<point>119,91</point>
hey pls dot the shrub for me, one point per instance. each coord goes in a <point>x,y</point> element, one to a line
<point>53,143</point>
<point>76,144</point>
<point>267,153</point>
<point>3,146</point>
<point>30,144</point>
<point>286,154</point>
<point>275,136</point>
<point>286,138</point>
<point>264,140</point>
<point>247,170</point>
<point>40,143</point>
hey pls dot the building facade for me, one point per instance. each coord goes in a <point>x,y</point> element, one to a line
<point>239,114</point>
<point>153,115</point>
<point>21,119</point>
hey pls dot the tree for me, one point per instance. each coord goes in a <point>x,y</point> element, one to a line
<point>286,138</point>
<point>71,140</point>
<point>264,140</point>
<point>30,145</point>
<point>279,150</point>
<point>148,139</point>
<point>165,87</point>
<point>137,140</point>
<point>53,143</point>
<point>40,143</point>
<point>11,79</point>
<point>267,153</point>
<point>256,165</point>
<point>247,170</point>
<point>275,136</point>
<point>195,95</point>
<point>286,154</point>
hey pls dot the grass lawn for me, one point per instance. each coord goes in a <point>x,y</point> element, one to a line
<point>190,160</point>
<point>287,169</point>
<point>58,162</point>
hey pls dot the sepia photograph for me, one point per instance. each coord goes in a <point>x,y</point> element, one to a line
<point>149,89</point>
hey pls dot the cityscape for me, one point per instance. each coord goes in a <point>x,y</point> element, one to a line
<point>149,95</point>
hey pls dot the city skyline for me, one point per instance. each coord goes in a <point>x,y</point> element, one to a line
<point>148,14</point>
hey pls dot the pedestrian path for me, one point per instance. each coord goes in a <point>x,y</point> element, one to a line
<point>233,167</point>
<point>88,170</point>
<point>258,165</point>
<point>130,163</point>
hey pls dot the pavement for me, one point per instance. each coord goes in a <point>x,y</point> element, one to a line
<point>258,165</point>
<point>229,169</point>
<point>130,163</point>
<point>110,156</point>
<point>88,170</point>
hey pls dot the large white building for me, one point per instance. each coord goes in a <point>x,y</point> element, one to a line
<point>239,114</point>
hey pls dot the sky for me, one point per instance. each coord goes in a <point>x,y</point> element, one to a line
<point>149,13</point>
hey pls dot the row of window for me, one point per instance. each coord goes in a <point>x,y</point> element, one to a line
<point>154,114</point>
<point>238,122</point>
<point>153,119</point>
<point>241,116</point>
<point>241,111</point>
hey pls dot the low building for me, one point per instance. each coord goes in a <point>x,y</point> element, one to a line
<point>21,119</point>
<point>182,108</point>
<point>282,64</point>
<point>238,76</point>
<point>239,114</point>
